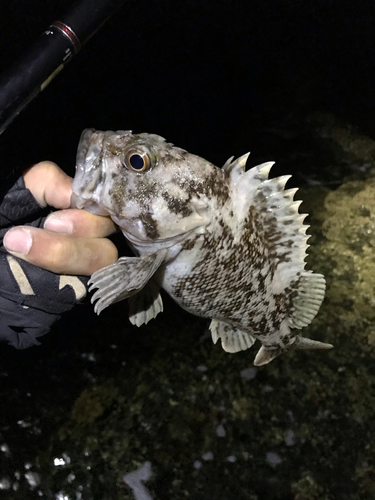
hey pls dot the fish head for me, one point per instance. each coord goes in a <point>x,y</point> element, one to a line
<point>154,191</point>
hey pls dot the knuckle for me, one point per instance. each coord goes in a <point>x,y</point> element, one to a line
<point>103,253</point>
<point>62,254</point>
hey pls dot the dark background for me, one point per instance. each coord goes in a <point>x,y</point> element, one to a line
<point>211,77</point>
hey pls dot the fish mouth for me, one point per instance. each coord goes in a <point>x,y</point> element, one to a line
<point>88,179</point>
<point>83,146</point>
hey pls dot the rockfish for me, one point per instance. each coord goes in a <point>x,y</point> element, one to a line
<point>224,243</point>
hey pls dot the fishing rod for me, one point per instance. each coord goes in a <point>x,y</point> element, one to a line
<point>49,54</point>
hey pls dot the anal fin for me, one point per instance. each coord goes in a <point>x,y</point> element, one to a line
<point>145,305</point>
<point>232,339</point>
<point>264,356</point>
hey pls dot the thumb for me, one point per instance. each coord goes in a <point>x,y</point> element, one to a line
<point>49,184</point>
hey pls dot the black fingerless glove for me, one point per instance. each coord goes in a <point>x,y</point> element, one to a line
<point>31,299</point>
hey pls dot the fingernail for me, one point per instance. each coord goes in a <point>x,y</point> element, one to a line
<point>18,240</point>
<point>57,222</point>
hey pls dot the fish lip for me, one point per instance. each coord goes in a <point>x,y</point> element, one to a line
<point>83,146</point>
<point>87,166</point>
<point>81,163</point>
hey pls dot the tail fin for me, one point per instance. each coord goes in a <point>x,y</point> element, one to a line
<point>310,294</point>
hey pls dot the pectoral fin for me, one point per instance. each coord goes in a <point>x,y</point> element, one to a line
<point>124,278</point>
<point>145,305</point>
<point>232,339</point>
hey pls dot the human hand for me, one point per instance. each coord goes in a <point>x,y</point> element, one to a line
<point>44,264</point>
<point>72,241</point>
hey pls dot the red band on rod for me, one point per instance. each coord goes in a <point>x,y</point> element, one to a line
<point>68,32</point>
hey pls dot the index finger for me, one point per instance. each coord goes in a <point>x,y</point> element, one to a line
<point>80,223</point>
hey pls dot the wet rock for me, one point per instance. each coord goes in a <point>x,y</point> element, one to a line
<point>345,252</point>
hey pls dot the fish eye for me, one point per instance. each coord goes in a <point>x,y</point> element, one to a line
<point>139,162</point>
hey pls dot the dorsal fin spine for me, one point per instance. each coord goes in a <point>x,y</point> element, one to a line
<point>264,168</point>
<point>289,193</point>
<point>283,180</point>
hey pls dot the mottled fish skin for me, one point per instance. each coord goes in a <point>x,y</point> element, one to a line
<point>224,243</point>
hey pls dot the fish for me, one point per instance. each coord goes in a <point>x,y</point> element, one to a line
<point>227,244</point>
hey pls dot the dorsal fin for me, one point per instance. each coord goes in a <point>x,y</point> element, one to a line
<point>276,210</point>
<point>235,168</point>
<point>228,164</point>
<point>283,228</point>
